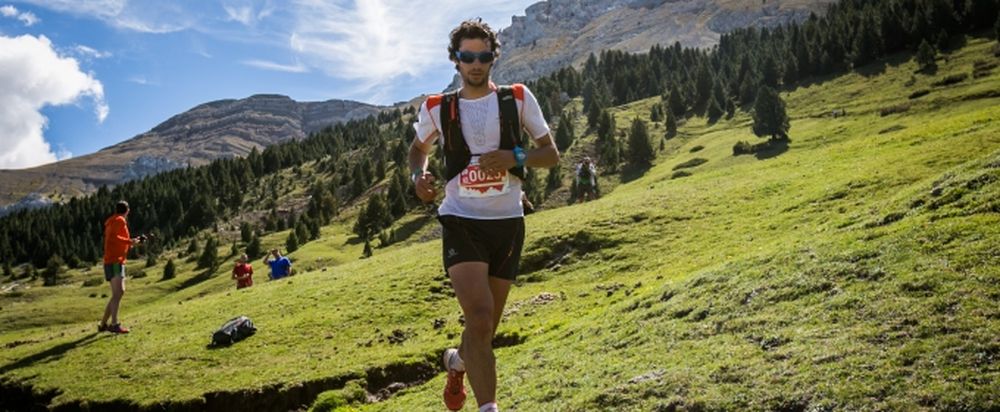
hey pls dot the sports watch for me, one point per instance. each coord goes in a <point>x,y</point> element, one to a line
<point>519,156</point>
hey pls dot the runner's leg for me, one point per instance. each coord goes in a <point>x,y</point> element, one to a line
<point>117,291</point>
<point>472,288</point>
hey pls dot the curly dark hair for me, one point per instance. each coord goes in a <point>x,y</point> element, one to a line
<point>473,29</point>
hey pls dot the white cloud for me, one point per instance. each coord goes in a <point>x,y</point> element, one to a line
<point>32,76</point>
<point>268,65</point>
<point>377,42</point>
<point>141,80</point>
<point>28,18</point>
<point>243,15</point>
<point>140,16</point>
<point>89,52</point>
<point>247,12</point>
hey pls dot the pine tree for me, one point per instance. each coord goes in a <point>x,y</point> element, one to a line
<point>554,180</point>
<point>150,260</point>
<point>655,114</point>
<point>564,138</point>
<point>192,247</point>
<point>51,275</point>
<point>748,90</point>
<point>605,127</point>
<point>769,116</point>
<point>671,125</point>
<point>302,230</point>
<point>246,232</point>
<point>210,255</point>
<point>703,89</point>
<point>640,150</point>
<point>594,114</point>
<point>367,253</point>
<point>253,248</point>
<point>770,74</point>
<point>29,272</point>
<point>867,44</point>
<point>234,250</point>
<point>943,40</point>
<point>292,243</point>
<point>169,271</point>
<point>926,56</point>
<point>610,153</point>
<point>313,230</point>
<point>676,104</point>
<point>715,110</point>
<point>7,270</point>
<point>374,217</point>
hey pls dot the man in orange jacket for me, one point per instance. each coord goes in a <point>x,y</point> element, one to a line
<point>116,245</point>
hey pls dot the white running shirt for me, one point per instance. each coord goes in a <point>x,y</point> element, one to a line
<point>481,129</point>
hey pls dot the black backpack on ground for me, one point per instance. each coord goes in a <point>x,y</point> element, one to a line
<point>235,330</point>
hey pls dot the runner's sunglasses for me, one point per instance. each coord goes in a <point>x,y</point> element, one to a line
<point>466,57</point>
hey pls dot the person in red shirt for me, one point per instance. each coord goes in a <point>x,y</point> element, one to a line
<point>243,273</point>
<point>116,245</point>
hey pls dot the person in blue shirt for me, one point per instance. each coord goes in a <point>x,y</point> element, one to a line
<point>280,265</point>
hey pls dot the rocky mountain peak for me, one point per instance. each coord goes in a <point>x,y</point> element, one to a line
<point>555,33</point>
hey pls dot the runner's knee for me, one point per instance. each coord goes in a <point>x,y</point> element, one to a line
<point>479,323</point>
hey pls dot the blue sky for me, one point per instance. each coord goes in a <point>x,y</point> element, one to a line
<point>77,76</point>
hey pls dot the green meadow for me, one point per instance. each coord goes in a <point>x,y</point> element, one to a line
<point>856,268</point>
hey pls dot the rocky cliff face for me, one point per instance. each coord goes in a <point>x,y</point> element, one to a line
<point>223,128</point>
<point>556,33</point>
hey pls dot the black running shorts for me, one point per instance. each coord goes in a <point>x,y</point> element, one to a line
<point>498,243</point>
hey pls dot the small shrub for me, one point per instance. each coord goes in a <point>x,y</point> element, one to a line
<point>982,68</point>
<point>691,163</point>
<point>899,108</point>
<point>330,401</point>
<point>984,65</point>
<point>950,80</point>
<point>169,271</point>
<point>891,129</point>
<point>742,147</point>
<point>97,281</point>
<point>697,148</point>
<point>680,173</point>
<point>919,93</point>
<point>139,275</point>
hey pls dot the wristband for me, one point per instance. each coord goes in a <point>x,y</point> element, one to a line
<point>519,156</point>
<point>415,175</point>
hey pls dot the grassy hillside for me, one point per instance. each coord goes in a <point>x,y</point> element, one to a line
<point>856,270</point>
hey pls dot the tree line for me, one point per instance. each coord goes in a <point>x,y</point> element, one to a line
<point>177,204</point>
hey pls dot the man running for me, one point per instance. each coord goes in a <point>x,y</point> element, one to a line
<point>116,245</point>
<point>481,214</point>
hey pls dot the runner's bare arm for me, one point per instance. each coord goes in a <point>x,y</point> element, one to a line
<point>424,181</point>
<point>545,154</point>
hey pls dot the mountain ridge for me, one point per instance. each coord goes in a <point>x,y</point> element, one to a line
<point>557,33</point>
<point>208,131</point>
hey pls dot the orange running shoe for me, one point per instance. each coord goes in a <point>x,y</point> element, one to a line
<point>454,389</point>
<point>117,328</point>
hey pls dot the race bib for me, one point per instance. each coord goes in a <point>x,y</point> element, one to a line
<point>475,182</point>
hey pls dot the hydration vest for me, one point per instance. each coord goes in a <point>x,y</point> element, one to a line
<point>456,151</point>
